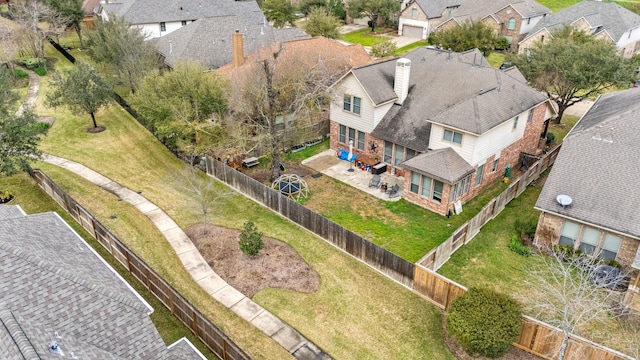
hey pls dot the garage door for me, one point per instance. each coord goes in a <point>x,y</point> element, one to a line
<point>412,31</point>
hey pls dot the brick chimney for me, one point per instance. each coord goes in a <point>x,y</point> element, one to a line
<point>238,49</point>
<point>401,80</point>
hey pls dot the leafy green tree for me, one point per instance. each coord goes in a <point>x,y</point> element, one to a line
<point>19,138</point>
<point>322,23</point>
<point>337,9</point>
<point>123,49</point>
<point>307,5</point>
<point>82,89</point>
<point>484,322</point>
<point>8,97</point>
<point>468,35</point>
<point>280,12</point>
<point>572,66</point>
<point>250,239</point>
<point>383,48</point>
<point>177,104</point>
<point>373,9</point>
<point>72,11</point>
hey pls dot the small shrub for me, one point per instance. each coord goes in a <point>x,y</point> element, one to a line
<point>517,247</point>
<point>40,71</point>
<point>21,73</point>
<point>550,137</point>
<point>250,239</point>
<point>5,196</point>
<point>484,322</point>
<point>383,48</point>
<point>32,63</point>
<point>41,126</point>
<point>526,228</point>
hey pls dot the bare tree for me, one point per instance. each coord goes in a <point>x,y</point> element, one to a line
<point>39,21</point>
<point>573,293</point>
<point>9,45</point>
<point>191,180</point>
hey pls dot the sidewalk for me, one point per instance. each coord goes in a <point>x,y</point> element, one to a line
<point>286,336</point>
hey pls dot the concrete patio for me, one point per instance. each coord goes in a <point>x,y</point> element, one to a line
<point>328,164</point>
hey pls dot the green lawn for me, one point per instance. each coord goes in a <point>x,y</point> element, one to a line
<point>33,201</point>
<point>348,316</point>
<point>405,49</point>
<point>363,37</point>
<point>555,5</point>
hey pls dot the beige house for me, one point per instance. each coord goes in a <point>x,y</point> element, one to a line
<point>604,20</point>
<point>585,202</point>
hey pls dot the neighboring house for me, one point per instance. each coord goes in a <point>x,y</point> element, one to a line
<point>160,17</point>
<point>448,122</point>
<point>604,20</point>
<point>511,18</point>
<point>60,299</point>
<point>593,177</point>
<point>90,8</point>
<point>208,40</point>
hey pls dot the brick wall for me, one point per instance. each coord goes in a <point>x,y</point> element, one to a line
<point>505,14</point>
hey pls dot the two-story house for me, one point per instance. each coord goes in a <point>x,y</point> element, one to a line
<point>160,17</point>
<point>448,122</point>
<point>588,200</point>
<point>512,19</point>
<point>604,20</point>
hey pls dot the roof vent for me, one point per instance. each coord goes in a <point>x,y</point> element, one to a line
<point>54,347</point>
<point>564,200</point>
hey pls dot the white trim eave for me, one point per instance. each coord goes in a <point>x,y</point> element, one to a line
<point>586,223</point>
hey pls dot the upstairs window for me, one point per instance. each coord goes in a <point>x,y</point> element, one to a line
<point>352,104</point>
<point>163,26</point>
<point>414,13</point>
<point>452,136</point>
<point>511,24</point>
<point>184,22</point>
<point>515,123</point>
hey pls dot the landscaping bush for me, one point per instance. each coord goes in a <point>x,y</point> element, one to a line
<point>383,48</point>
<point>250,239</point>
<point>550,138</point>
<point>41,126</point>
<point>484,322</point>
<point>517,247</point>
<point>32,63</point>
<point>40,71</point>
<point>526,228</point>
<point>21,73</point>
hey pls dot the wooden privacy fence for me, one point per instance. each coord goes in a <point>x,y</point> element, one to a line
<point>435,258</point>
<point>535,336</point>
<point>203,328</point>
<point>375,256</point>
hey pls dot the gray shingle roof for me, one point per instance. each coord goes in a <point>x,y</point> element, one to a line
<point>443,164</point>
<point>10,212</point>
<point>208,40</point>
<point>598,166</point>
<point>613,18</point>
<point>478,9</point>
<point>155,11</point>
<point>435,8</point>
<point>445,89</point>
<point>52,283</point>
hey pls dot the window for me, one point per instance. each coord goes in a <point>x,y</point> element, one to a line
<point>414,13</point>
<point>279,122</point>
<point>530,116</point>
<point>399,154</point>
<point>388,152</point>
<point>452,195</point>
<point>184,22</point>
<point>569,233</point>
<point>410,153</point>
<point>426,186</point>
<point>528,21</point>
<point>541,38</point>
<point>511,24</point>
<point>610,247</point>
<point>163,26</point>
<point>515,123</point>
<point>360,140</point>
<point>352,104</point>
<point>343,134</point>
<point>589,241</point>
<point>352,135</point>
<point>415,182</point>
<point>437,191</point>
<point>479,175</point>
<point>495,165</point>
<point>452,136</point>
<point>509,39</point>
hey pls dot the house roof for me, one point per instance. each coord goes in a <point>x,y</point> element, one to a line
<point>90,7</point>
<point>607,16</point>
<point>446,89</point>
<point>479,9</point>
<point>598,167</point>
<point>156,11</point>
<point>56,288</point>
<point>435,8</point>
<point>208,40</point>
<point>335,57</point>
<point>444,164</point>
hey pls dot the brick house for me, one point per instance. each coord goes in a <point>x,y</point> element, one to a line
<point>448,122</point>
<point>511,19</point>
<point>598,158</point>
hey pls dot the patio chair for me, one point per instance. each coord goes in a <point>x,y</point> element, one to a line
<point>375,181</point>
<point>394,191</point>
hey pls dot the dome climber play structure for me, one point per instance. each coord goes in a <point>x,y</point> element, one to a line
<point>291,185</point>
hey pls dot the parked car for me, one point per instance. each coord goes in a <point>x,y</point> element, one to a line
<point>505,65</point>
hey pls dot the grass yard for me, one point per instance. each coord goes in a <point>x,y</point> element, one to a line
<point>496,59</point>
<point>405,49</point>
<point>363,37</point>
<point>561,130</point>
<point>33,200</point>
<point>555,5</point>
<point>349,316</point>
